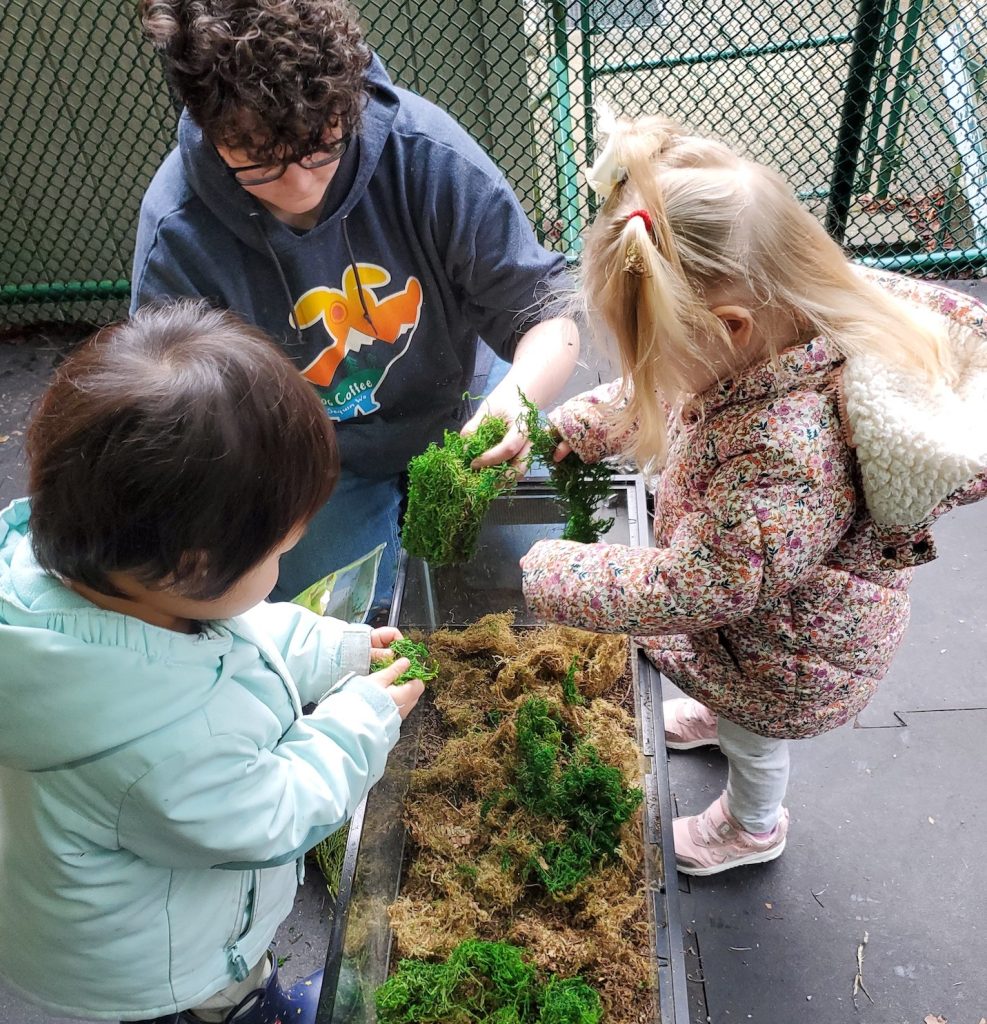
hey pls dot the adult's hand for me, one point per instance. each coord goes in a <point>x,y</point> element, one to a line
<point>515,445</point>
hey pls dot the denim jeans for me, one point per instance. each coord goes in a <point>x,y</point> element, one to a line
<point>361,514</point>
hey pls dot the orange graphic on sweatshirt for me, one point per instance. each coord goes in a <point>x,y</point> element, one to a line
<point>342,315</point>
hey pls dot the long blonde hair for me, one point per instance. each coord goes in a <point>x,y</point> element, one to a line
<point>714,219</point>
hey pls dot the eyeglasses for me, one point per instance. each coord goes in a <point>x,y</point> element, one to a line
<point>264,174</point>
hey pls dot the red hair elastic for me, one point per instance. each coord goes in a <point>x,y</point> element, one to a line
<point>644,215</point>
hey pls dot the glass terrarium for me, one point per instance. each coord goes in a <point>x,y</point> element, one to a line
<point>360,951</point>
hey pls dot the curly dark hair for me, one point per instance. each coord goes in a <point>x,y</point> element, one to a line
<point>263,76</point>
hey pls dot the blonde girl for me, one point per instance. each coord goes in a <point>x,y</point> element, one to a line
<point>810,420</point>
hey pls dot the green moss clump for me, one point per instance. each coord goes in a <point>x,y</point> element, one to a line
<point>486,982</point>
<point>580,487</point>
<point>593,800</point>
<point>570,691</point>
<point>328,855</point>
<point>447,500</point>
<point>574,787</point>
<point>422,666</point>
<point>569,1001</point>
<point>539,746</point>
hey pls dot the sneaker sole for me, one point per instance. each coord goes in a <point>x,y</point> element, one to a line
<point>691,744</point>
<point>761,857</point>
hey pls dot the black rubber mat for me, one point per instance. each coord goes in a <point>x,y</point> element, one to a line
<point>886,849</point>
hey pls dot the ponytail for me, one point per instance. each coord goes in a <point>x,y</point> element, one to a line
<point>684,216</point>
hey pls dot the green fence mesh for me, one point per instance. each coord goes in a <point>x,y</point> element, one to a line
<point>874,109</point>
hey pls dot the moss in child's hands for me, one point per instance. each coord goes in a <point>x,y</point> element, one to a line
<point>447,499</point>
<point>580,487</point>
<point>422,666</point>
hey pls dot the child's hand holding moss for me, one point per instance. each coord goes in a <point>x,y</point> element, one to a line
<point>380,643</point>
<point>388,644</point>
<point>405,695</point>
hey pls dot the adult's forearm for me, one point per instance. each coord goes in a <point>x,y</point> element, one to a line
<point>543,362</point>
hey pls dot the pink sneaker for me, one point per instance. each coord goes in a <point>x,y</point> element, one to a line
<point>711,842</point>
<point>688,724</point>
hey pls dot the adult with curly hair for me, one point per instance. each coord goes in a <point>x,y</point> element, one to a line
<point>358,225</point>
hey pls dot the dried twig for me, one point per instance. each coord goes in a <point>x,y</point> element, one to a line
<point>858,980</point>
<point>816,895</point>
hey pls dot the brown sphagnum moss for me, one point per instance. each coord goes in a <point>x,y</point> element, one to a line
<point>482,843</point>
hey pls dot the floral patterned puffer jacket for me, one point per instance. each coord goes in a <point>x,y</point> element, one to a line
<point>794,502</point>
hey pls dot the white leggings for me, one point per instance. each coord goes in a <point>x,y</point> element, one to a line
<point>758,775</point>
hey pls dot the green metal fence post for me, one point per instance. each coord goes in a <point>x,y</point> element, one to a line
<point>884,68</point>
<point>567,170</point>
<point>589,122</point>
<point>890,154</point>
<point>867,36</point>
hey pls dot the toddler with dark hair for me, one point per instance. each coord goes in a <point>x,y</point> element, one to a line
<point>158,777</point>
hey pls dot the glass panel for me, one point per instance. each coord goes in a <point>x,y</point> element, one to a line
<point>491,582</point>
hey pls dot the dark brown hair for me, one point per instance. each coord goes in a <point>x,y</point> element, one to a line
<point>180,447</point>
<point>263,76</point>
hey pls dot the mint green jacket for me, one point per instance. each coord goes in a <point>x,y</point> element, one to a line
<point>157,788</point>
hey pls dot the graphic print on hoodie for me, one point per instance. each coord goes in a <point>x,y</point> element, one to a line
<point>379,324</point>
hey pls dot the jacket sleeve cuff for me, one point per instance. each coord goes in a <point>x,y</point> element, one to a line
<point>380,702</point>
<point>354,649</point>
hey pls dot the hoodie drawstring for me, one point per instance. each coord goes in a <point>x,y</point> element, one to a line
<point>256,218</point>
<point>359,283</point>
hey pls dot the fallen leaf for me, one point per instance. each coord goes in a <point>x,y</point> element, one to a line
<point>770,906</point>
<point>4,437</point>
<point>937,1019</point>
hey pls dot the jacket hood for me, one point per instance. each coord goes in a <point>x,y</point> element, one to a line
<point>76,681</point>
<point>920,446</point>
<point>919,443</point>
<point>242,213</point>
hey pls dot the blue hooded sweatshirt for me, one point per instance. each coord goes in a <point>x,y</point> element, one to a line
<point>421,249</point>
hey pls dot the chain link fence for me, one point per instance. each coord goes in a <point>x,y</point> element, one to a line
<point>874,109</point>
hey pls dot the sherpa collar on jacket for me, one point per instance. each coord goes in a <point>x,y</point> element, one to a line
<point>921,447</point>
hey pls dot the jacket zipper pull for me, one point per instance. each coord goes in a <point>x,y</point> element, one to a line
<point>237,963</point>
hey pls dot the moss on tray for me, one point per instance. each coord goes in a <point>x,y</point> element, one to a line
<point>485,983</point>
<point>523,815</point>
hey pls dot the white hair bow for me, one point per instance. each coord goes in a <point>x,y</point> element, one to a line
<point>606,173</point>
